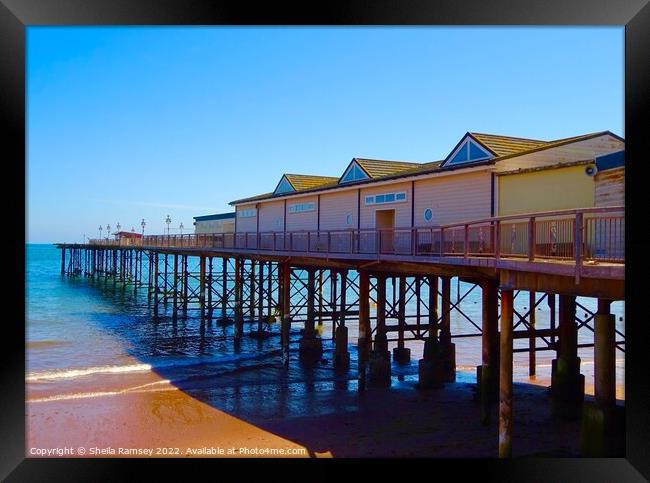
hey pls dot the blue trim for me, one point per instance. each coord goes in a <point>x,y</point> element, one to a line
<point>610,161</point>
<point>284,186</point>
<point>219,216</point>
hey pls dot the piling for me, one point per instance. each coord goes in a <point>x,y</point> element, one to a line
<point>505,375</point>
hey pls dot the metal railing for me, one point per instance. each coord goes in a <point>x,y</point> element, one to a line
<point>584,234</point>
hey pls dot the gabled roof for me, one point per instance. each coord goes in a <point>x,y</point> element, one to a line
<point>502,145</point>
<point>376,168</point>
<point>301,182</point>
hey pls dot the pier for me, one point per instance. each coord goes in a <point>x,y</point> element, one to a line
<point>394,286</point>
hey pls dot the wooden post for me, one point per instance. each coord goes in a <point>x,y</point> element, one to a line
<point>401,354</point>
<point>380,336</point>
<point>365,334</point>
<point>253,288</point>
<point>224,290</point>
<point>333,300</point>
<point>605,355</point>
<point>185,284</point>
<point>63,261</point>
<point>505,375</point>
<point>320,293</point>
<point>239,321</point>
<point>344,301</point>
<point>445,329</point>
<point>175,300</point>
<point>202,286</point>
<point>285,303</point>
<point>433,306</point>
<point>260,299</point>
<point>209,288</point>
<point>532,300</point>
<point>487,374</point>
<point>567,384</point>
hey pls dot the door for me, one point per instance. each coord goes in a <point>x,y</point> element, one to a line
<point>385,223</point>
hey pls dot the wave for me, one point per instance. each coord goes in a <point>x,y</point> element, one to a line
<point>86,371</point>
<point>86,395</point>
<point>143,367</point>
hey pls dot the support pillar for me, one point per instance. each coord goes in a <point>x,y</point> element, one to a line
<point>311,347</point>
<point>63,261</point>
<point>284,287</point>
<point>401,354</point>
<point>487,374</point>
<point>239,315</point>
<point>448,349</point>
<point>379,358</point>
<point>505,375</point>
<point>532,362</point>
<point>202,287</point>
<point>430,374</point>
<point>224,319</point>
<point>567,384</point>
<point>603,423</point>
<point>261,318</point>
<point>175,299</point>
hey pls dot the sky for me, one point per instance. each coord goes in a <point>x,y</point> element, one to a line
<point>126,123</point>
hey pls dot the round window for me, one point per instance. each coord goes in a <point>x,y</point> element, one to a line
<point>348,219</point>
<point>428,214</point>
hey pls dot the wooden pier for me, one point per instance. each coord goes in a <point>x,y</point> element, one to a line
<point>305,278</point>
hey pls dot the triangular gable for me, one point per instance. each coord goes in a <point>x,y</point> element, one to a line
<point>353,173</point>
<point>284,186</point>
<point>468,150</point>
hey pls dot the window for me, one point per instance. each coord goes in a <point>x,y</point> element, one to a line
<point>469,151</point>
<point>353,173</point>
<point>302,207</point>
<point>386,198</point>
<point>428,214</point>
<point>348,219</point>
<point>247,213</point>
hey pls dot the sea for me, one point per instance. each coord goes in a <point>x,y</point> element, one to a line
<point>87,339</point>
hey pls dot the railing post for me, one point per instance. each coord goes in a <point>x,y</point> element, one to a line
<point>531,238</point>
<point>497,240</point>
<point>466,241</point>
<point>442,241</point>
<point>329,241</point>
<point>578,244</point>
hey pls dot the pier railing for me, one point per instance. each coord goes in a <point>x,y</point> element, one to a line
<point>569,235</point>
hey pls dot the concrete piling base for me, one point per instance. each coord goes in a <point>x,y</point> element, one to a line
<point>402,355</point>
<point>430,368</point>
<point>310,349</point>
<point>448,361</point>
<point>603,431</point>
<point>567,388</point>
<point>341,353</point>
<point>224,321</point>
<point>379,369</point>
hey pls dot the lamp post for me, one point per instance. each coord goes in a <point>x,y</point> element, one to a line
<point>100,231</point>
<point>180,227</point>
<point>168,220</point>
<point>133,229</point>
<point>143,224</point>
<point>108,231</point>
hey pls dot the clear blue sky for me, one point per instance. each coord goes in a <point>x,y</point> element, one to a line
<point>131,123</point>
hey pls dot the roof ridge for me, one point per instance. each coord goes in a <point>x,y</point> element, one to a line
<point>473,133</point>
<point>358,158</point>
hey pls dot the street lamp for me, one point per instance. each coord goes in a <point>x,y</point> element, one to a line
<point>180,227</point>
<point>133,229</point>
<point>168,220</point>
<point>100,231</point>
<point>108,231</point>
<point>143,224</point>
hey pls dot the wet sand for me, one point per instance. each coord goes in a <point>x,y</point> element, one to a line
<point>401,421</point>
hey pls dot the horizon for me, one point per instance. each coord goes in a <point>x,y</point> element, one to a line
<point>126,123</point>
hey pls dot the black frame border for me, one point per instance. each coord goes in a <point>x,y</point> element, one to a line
<point>16,15</point>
